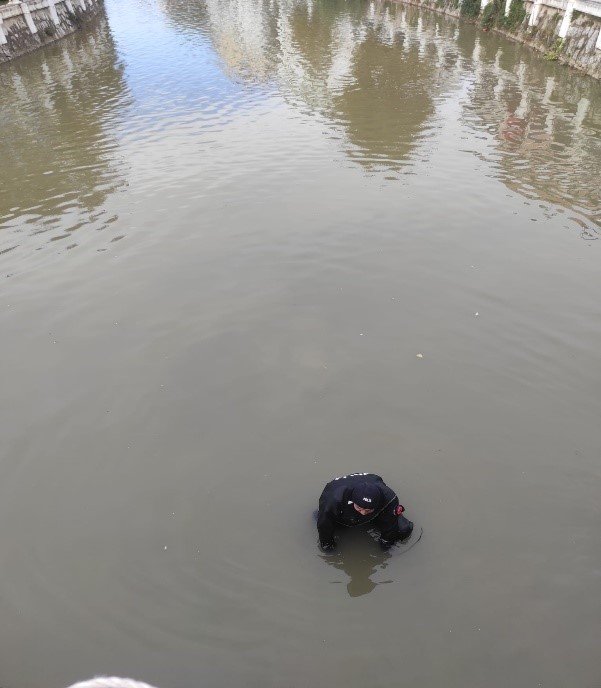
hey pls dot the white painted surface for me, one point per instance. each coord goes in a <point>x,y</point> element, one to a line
<point>53,12</point>
<point>534,14</point>
<point>3,40</point>
<point>566,21</point>
<point>28,18</point>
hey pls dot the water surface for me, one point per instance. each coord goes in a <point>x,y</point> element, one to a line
<point>227,230</point>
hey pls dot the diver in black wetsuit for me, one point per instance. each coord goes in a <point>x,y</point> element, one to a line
<point>360,499</point>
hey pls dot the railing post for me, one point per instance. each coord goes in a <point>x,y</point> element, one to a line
<point>533,18</point>
<point>28,18</point>
<point>3,40</point>
<point>53,12</point>
<point>566,21</point>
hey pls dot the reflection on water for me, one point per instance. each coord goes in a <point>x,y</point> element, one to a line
<point>60,160</point>
<point>382,74</point>
<point>547,125</point>
<point>383,79</point>
<point>310,193</point>
<point>360,557</point>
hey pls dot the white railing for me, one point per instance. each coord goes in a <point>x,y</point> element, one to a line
<point>591,7</point>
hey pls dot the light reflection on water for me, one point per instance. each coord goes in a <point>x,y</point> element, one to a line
<point>382,80</point>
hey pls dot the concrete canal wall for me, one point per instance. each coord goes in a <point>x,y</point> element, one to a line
<point>567,31</point>
<point>25,26</point>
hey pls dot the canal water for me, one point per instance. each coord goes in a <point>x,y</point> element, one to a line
<point>246,247</point>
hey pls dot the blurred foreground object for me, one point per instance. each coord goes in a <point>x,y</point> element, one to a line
<point>111,682</point>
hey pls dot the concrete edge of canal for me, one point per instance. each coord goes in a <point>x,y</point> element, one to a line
<point>566,31</point>
<point>26,26</point>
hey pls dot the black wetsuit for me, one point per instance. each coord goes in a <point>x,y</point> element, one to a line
<point>336,509</point>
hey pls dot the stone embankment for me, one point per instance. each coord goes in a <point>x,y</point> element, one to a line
<point>25,26</point>
<point>567,31</point>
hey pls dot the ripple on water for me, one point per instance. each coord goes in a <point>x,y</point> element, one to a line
<point>305,197</point>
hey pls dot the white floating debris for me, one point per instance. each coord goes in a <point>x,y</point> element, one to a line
<point>361,334</point>
<point>165,547</point>
<point>476,314</point>
<point>419,355</point>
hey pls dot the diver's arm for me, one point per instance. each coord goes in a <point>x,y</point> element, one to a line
<point>388,523</point>
<point>326,527</point>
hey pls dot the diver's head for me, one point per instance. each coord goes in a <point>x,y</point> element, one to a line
<point>366,498</point>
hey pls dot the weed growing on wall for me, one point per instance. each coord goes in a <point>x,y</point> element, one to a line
<point>553,54</point>
<point>516,15</point>
<point>470,8</point>
<point>492,14</point>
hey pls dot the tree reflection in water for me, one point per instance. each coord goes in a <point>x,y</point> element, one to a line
<point>383,77</point>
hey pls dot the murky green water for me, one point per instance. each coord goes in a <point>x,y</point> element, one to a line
<point>226,231</point>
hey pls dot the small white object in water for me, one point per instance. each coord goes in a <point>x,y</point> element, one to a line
<point>476,314</point>
<point>165,547</point>
<point>419,355</point>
